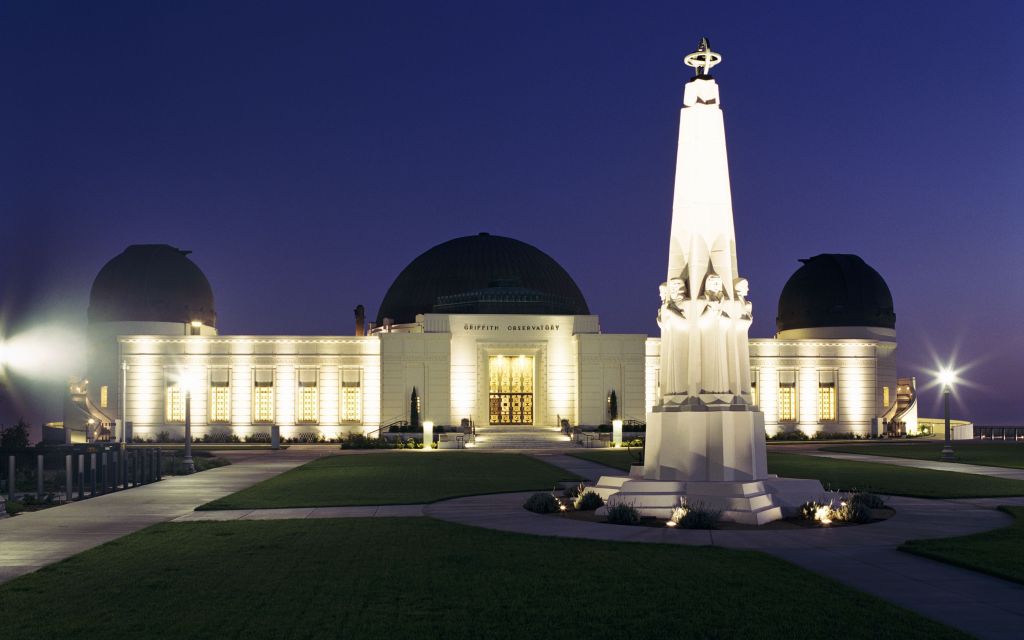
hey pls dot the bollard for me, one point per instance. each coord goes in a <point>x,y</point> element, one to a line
<point>10,478</point>
<point>39,477</point>
<point>159,466</point>
<point>67,477</point>
<point>92,475</point>
<point>275,437</point>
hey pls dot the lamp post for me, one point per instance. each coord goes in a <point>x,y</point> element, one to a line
<point>946,377</point>
<point>187,462</point>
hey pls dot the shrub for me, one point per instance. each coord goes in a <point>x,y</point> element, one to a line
<point>869,500</point>
<point>623,514</point>
<point>15,437</point>
<point>163,436</point>
<point>789,436</point>
<point>258,437</point>
<point>14,507</point>
<point>698,516</point>
<point>541,503</point>
<point>588,501</point>
<point>852,512</point>
<point>809,509</point>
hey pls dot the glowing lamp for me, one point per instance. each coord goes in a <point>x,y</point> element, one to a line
<point>428,434</point>
<point>947,377</point>
<point>617,432</point>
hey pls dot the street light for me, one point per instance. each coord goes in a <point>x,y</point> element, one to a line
<point>947,377</point>
<point>187,462</point>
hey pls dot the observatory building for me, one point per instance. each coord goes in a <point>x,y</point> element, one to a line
<point>490,331</point>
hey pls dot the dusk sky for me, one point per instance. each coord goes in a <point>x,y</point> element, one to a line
<point>307,152</point>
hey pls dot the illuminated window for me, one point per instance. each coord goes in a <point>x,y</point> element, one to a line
<point>174,403</point>
<point>309,397</point>
<point>263,396</point>
<point>826,396</point>
<point>885,397</point>
<point>220,395</point>
<point>351,395</point>
<point>753,386</point>
<point>787,396</point>
<point>103,396</point>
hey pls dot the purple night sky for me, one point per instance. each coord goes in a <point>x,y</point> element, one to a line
<point>306,152</point>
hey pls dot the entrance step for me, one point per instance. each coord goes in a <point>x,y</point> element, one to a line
<point>521,438</point>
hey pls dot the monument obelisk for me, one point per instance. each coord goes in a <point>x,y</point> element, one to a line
<point>705,438</point>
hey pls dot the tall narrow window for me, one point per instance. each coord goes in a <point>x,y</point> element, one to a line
<point>309,397</point>
<point>351,395</point>
<point>826,396</point>
<point>787,396</point>
<point>220,395</point>
<point>104,399</point>
<point>753,386</point>
<point>174,402</point>
<point>885,397</point>
<point>263,396</point>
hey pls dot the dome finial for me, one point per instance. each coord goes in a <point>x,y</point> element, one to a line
<point>703,58</point>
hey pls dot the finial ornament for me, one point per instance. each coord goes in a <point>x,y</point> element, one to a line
<point>703,58</point>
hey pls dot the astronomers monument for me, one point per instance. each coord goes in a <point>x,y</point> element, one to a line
<point>706,437</point>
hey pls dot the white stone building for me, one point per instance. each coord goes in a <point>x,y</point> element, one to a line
<point>508,341</point>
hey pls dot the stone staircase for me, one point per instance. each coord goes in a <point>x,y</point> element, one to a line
<point>521,438</point>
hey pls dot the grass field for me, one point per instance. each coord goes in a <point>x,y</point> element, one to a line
<point>994,552</point>
<point>400,477</point>
<point>994,454</point>
<point>868,476</point>
<point>421,578</point>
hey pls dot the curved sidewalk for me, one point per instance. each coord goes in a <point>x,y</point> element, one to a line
<point>864,557</point>
<point>33,540</point>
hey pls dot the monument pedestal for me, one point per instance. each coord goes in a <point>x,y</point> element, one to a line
<point>716,458</point>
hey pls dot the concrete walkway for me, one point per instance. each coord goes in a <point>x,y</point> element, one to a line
<point>955,467</point>
<point>303,513</point>
<point>32,540</point>
<point>863,557</point>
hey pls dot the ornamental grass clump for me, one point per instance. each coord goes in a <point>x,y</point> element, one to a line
<point>541,503</point>
<point>623,514</point>
<point>694,516</point>
<point>588,501</point>
<point>851,511</point>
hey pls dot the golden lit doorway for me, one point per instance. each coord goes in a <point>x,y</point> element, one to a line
<point>511,389</point>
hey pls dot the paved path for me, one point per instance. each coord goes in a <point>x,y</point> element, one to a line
<point>303,513</point>
<point>956,467</point>
<point>863,557</point>
<point>32,540</point>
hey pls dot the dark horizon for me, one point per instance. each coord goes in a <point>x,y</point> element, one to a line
<point>307,154</point>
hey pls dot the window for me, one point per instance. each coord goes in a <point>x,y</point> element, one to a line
<point>885,397</point>
<point>309,397</point>
<point>826,396</point>
<point>220,395</point>
<point>351,395</point>
<point>753,387</point>
<point>787,396</point>
<point>263,396</point>
<point>104,390</point>
<point>174,403</point>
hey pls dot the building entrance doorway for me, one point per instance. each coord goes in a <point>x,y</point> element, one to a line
<point>511,389</point>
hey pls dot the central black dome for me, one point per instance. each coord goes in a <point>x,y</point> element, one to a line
<point>835,290</point>
<point>482,274</point>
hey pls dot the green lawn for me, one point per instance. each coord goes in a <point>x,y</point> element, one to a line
<point>421,578</point>
<point>399,477</point>
<point>995,552</point>
<point>867,476</point>
<point>995,454</point>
